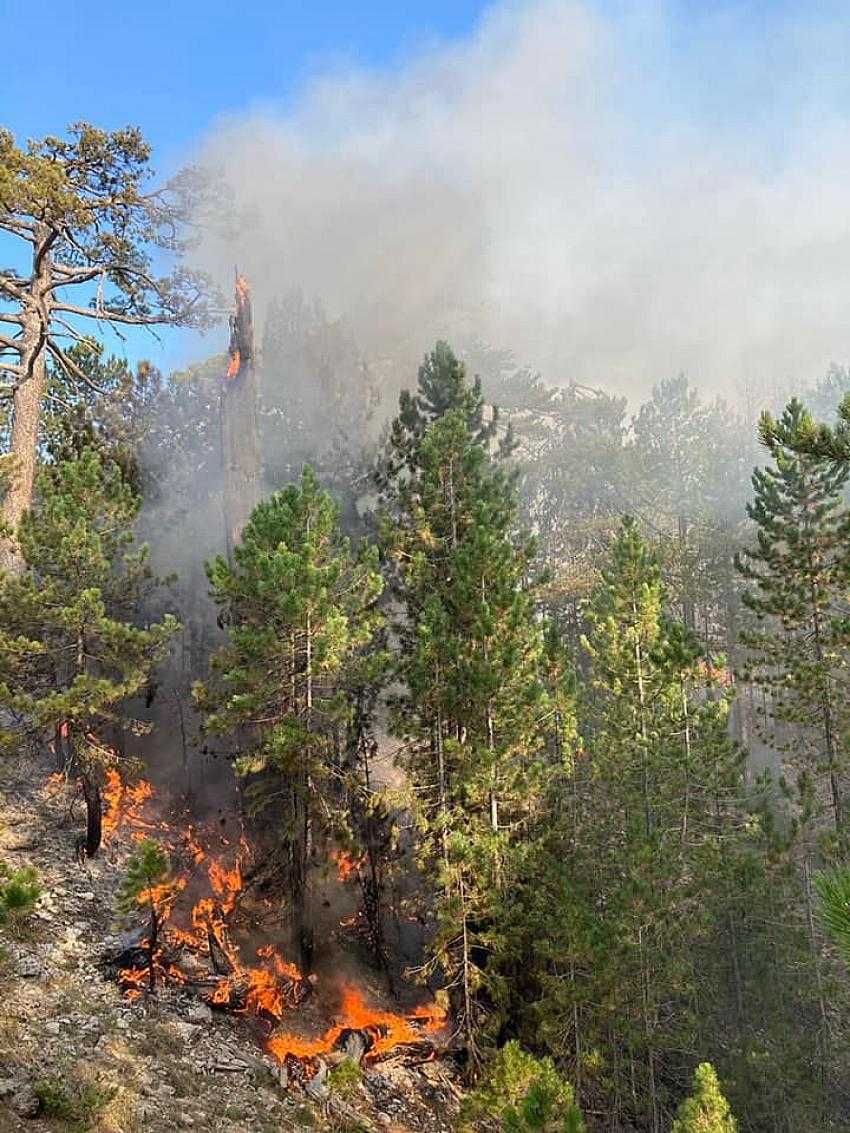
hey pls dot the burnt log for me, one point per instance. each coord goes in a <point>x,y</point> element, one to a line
<point>129,949</point>
<point>219,959</point>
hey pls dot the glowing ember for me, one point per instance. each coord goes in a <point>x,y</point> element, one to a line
<point>385,1029</point>
<point>347,866</point>
<point>133,982</point>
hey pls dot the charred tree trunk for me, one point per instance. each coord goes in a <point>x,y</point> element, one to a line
<point>94,815</point>
<point>302,921</point>
<point>154,940</point>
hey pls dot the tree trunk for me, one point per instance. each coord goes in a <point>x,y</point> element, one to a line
<point>302,926</point>
<point>154,940</point>
<point>94,816</point>
<point>688,610</point>
<point>27,405</point>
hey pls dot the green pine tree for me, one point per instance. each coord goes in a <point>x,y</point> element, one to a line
<point>147,872</point>
<point>625,871</point>
<point>797,574</point>
<point>300,607</point>
<point>72,651</point>
<point>522,1094</point>
<point>19,891</point>
<point>475,711</point>
<point>442,386</point>
<point>706,1110</point>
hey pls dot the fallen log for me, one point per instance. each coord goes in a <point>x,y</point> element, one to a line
<point>219,959</point>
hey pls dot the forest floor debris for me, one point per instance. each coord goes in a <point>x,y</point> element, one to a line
<point>76,1055</point>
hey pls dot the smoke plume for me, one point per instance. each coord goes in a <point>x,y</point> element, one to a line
<point>615,198</point>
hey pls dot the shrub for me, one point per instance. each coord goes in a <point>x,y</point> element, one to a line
<point>19,891</point>
<point>523,1094</point>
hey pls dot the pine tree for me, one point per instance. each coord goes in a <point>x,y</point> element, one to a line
<point>522,1094</point>
<point>833,888</point>
<point>706,1110</point>
<point>624,875</point>
<point>71,651</point>
<point>442,386</point>
<point>19,891</point>
<point>147,874</point>
<point>472,661</point>
<point>798,573</point>
<point>300,606</point>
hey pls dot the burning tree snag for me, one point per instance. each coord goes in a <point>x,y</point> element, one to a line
<point>240,448</point>
<point>79,204</point>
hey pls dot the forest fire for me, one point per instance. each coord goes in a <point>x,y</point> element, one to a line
<point>384,1030</point>
<point>124,805</point>
<point>195,944</point>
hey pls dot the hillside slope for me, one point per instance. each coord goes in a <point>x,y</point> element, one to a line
<point>75,1054</point>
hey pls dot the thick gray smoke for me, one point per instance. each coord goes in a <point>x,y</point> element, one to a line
<point>614,198</point>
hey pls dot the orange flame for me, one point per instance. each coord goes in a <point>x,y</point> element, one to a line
<point>162,896</point>
<point>234,364</point>
<point>347,866</point>
<point>133,981</point>
<point>385,1028</point>
<point>124,804</point>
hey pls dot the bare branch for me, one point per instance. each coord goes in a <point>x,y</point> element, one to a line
<point>107,315</point>
<point>18,227</point>
<point>10,369</point>
<point>10,343</point>
<point>71,368</point>
<point>12,285</point>
<point>72,332</point>
<point>84,275</point>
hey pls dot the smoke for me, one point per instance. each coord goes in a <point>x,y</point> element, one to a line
<point>615,198</point>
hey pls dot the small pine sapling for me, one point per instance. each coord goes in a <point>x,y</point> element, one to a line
<point>147,874</point>
<point>706,1110</point>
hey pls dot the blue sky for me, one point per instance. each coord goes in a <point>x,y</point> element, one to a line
<point>690,180</point>
<point>174,67</point>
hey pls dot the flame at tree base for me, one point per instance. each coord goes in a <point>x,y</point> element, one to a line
<point>385,1029</point>
<point>268,988</point>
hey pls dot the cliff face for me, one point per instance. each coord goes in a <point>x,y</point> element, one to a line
<point>77,1054</point>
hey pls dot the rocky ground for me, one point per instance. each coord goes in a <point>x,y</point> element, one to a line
<point>76,1055</point>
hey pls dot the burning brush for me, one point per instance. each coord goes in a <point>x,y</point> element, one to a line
<point>193,946</point>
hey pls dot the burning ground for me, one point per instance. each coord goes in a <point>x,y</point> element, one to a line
<point>236,1038</point>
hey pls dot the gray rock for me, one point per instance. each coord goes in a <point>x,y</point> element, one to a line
<point>24,1101</point>
<point>28,967</point>
<point>199,1013</point>
<point>318,1087</point>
